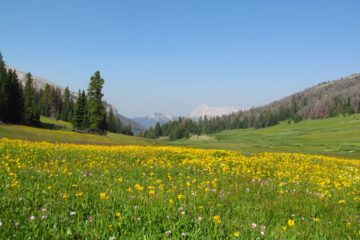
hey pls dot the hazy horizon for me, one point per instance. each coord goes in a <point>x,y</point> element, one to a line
<point>172,56</point>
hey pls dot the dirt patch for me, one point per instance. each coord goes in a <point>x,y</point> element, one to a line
<point>202,138</point>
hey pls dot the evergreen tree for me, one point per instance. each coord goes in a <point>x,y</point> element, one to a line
<point>66,105</point>
<point>45,100</point>
<point>3,78</point>
<point>31,115</point>
<point>95,104</point>
<point>15,100</point>
<point>55,102</point>
<point>6,88</point>
<point>157,130</point>
<point>293,108</point>
<point>118,125</point>
<point>111,122</point>
<point>81,120</point>
<point>127,130</point>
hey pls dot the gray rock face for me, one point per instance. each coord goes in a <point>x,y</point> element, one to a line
<point>151,120</point>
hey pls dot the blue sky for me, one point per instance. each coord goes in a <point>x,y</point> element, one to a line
<point>173,55</point>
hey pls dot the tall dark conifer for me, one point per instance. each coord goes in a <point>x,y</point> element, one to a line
<point>158,131</point>
<point>81,118</point>
<point>66,105</point>
<point>3,78</point>
<point>111,122</point>
<point>95,104</point>
<point>31,115</point>
<point>15,100</point>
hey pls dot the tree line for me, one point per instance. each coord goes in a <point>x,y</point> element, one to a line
<point>24,104</point>
<point>328,99</point>
<point>17,104</point>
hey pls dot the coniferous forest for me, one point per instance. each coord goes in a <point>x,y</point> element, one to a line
<point>87,111</point>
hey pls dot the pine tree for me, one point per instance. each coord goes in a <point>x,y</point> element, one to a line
<point>158,130</point>
<point>6,88</point>
<point>31,115</point>
<point>81,120</point>
<point>15,100</point>
<point>46,100</point>
<point>3,78</point>
<point>118,125</point>
<point>111,122</point>
<point>55,102</point>
<point>66,105</point>
<point>127,130</point>
<point>95,104</point>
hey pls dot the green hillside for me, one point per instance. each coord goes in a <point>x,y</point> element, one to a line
<point>338,136</point>
<point>60,131</point>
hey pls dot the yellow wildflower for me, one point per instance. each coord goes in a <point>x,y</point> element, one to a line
<point>121,217</point>
<point>291,222</point>
<point>217,219</point>
<point>139,187</point>
<point>180,196</point>
<point>79,194</point>
<point>103,196</point>
<point>65,196</point>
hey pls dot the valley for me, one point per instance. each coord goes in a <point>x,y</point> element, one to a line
<point>180,120</point>
<point>337,136</point>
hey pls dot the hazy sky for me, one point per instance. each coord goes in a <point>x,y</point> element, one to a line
<point>173,55</point>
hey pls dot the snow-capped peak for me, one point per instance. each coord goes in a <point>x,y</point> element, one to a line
<point>161,116</point>
<point>205,110</point>
<point>152,119</point>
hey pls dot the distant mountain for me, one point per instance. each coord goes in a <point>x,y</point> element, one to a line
<point>209,111</point>
<point>151,120</point>
<point>200,111</point>
<point>39,83</point>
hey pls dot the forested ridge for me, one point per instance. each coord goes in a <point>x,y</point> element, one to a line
<point>328,99</point>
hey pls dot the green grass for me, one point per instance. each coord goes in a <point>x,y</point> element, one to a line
<point>51,123</point>
<point>333,136</point>
<point>338,136</point>
<point>67,136</point>
<point>68,191</point>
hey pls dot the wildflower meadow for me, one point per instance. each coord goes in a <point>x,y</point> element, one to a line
<point>67,191</point>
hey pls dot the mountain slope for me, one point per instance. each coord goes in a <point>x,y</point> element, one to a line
<point>323,100</point>
<point>40,83</point>
<point>328,99</point>
<point>151,120</point>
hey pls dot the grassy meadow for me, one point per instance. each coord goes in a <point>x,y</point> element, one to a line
<point>59,184</point>
<point>64,134</point>
<point>339,136</point>
<point>67,191</point>
<point>51,123</point>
